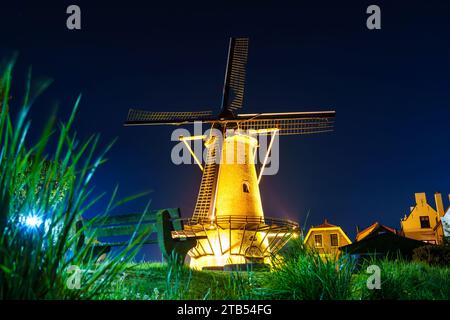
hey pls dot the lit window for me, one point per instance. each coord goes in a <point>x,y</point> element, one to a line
<point>334,240</point>
<point>424,222</point>
<point>318,240</point>
<point>245,187</point>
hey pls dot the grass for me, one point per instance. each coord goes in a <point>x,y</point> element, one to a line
<point>399,281</point>
<point>43,193</point>
<point>402,280</point>
<point>155,281</point>
<point>300,273</point>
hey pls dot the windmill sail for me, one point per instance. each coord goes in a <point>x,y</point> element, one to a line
<point>233,90</point>
<point>143,117</point>
<point>205,198</point>
<point>289,123</point>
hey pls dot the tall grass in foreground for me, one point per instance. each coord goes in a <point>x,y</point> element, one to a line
<point>301,273</point>
<point>174,281</point>
<point>41,199</point>
<point>405,280</point>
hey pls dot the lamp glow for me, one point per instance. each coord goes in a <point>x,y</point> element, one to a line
<point>33,221</point>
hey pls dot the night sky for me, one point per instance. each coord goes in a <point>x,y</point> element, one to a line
<point>389,87</point>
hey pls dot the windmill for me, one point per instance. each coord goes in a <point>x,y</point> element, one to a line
<point>228,219</point>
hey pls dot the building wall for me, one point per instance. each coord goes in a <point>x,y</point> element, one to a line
<point>411,224</point>
<point>439,233</point>
<point>326,248</point>
<point>443,228</point>
<point>446,221</point>
<point>236,169</point>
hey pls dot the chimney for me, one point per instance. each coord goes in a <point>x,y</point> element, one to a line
<point>439,204</point>
<point>421,198</point>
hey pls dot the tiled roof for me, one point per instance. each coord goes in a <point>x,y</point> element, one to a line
<point>371,229</point>
<point>325,224</point>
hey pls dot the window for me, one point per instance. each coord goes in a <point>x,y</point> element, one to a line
<point>424,222</point>
<point>334,239</point>
<point>245,187</point>
<point>318,241</point>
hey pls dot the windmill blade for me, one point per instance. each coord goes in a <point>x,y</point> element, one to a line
<point>143,117</point>
<point>233,89</point>
<point>289,123</point>
<point>204,206</point>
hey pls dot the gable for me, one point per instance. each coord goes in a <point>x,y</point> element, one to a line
<point>326,232</point>
<point>374,229</point>
<point>412,221</point>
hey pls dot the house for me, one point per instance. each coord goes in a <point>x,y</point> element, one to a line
<point>381,241</point>
<point>326,239</point>
<point>442,228</point>
<point>424,222</point>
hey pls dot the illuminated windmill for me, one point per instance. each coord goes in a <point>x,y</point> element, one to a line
<point>228,220</point>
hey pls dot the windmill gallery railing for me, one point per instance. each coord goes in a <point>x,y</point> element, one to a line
<point>227,235</point>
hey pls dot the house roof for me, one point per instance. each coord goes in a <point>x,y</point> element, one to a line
<point>373,229</point>
<point>329,226</point>
<point>325,224</point>
<point>384,243</point>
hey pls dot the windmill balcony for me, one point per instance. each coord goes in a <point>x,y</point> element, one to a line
<point>235,239</point>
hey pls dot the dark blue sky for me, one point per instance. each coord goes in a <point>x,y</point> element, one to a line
<point>390,89</point>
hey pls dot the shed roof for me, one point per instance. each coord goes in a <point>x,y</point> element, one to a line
<point>373,229</point>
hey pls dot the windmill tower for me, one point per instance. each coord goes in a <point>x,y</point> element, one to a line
<point>228,219</point>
